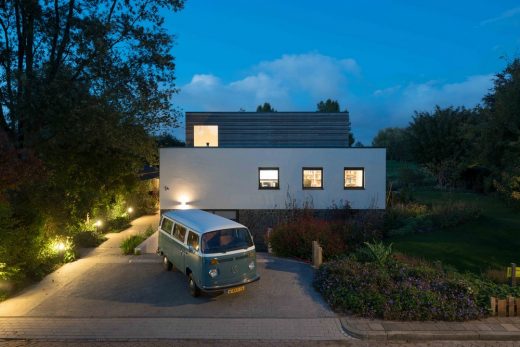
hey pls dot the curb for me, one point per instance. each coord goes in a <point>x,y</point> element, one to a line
<point>429,335</point>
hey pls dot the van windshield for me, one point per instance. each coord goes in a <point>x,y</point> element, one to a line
<point>221,241</point>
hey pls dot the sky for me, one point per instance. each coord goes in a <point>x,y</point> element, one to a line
<point>382,60</point>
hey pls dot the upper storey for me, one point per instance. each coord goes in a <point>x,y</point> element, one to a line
<point>274,129</point>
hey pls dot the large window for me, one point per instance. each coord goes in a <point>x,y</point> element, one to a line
<point>268,178</point>
<point>354,178</point>
<point>167,225</point>
<point>312,178</point>
<point>205,135</point>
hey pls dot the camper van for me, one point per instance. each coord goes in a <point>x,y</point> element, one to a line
<point>217,254</point>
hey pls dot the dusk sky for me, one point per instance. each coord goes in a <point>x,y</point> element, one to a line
<point>380,59</point>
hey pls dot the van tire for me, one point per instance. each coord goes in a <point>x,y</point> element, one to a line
<point>167,265</point>
<point>194,289</point>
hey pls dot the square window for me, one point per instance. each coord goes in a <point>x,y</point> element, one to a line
<point>179,232</point>
<point>268,178</point>
<point>354,178</point>
<point>205,135</point>
<point>312,178</point>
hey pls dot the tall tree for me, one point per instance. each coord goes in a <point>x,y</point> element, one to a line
<point>332,106</point>
<point>266,107</point>
<point>395,141</point>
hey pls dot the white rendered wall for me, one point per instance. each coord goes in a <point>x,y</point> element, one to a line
<point>227,178</point>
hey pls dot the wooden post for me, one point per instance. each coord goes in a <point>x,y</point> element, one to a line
<point>493,302</point>
<point>317,254</point>
<point>269,248</point>
<point>502,303</point>
<point>513,274</point>
<point>510,306</point>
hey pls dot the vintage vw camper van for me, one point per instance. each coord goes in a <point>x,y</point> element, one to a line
<point>217,254</point>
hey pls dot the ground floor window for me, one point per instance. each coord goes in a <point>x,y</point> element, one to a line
<point>268,178</point>
<point>354,178</point>
<point>312,178</point>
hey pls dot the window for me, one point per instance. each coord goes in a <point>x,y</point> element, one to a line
<point>226,240</point>
<point>193,240</point>
<point>167,225</point>
<point>268,178</point>
<point>205,135</point>
<point>312,178</point>
<point>179,232</point>
<point>354,178</point>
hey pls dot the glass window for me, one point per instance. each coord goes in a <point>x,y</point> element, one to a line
<point>179,232</point>
<point>193,240</point>
<point>312,178</point>
<point>167,225</point>
<point>268,178</point>
<point>226,240</point>
<point>205,135</point>
<point>354,178</point>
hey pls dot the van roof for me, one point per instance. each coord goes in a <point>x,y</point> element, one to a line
<point>201,221</point>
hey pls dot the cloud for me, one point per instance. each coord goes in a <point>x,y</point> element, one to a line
<point>503,16</point>
<point>313,76</point>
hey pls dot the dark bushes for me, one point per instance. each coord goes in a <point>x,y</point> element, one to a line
<point>396,291</point>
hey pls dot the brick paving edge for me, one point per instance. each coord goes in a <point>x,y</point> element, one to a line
<point>429,335</point>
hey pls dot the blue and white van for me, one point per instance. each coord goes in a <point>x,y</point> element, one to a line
<point>217,254</point>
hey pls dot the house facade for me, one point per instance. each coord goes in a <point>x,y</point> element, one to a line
<point>236,163</point>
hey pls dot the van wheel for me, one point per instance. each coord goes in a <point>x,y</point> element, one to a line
<point>194,290</point>
<point>167,265</point>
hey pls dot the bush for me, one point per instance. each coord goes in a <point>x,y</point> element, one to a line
<point>118,224</point>
<point>130,243</point>
<point>294,239</point>
<point>88,239</point>
<point>396,291</point>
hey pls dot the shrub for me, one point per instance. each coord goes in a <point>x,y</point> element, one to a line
<point>118,224</point>
<point>378,252</point>
<point>130,243</point>
<point>453,213</point>
<point>396,291</point>
<point>88,239</point>
<point>294,239</point>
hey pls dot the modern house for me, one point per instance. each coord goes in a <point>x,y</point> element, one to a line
<point>238,162</point>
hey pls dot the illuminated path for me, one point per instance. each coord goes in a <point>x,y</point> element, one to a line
<point>107,296</point>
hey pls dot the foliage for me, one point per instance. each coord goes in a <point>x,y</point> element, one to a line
<point>332,106</point>
<point>378,252</point>
<point>130,243</point>
<point>266,107</point>
<point>294,237</point>
<point>88,239</point>
<point>395,141</point>
<point>118,224</point>
<point>396,291</point>
<point>165,140</point>
<point>412,217</point>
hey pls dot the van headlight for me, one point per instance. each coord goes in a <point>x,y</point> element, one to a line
<point>251,265</point>
<point>213,273</point>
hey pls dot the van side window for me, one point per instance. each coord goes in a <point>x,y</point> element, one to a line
<point>179,232</point>
<point>193,240</point>
<point>167,225</point>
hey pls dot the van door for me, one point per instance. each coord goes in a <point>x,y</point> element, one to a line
<point>192,259</point>
<point>179,247</point>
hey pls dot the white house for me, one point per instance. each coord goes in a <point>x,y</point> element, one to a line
<point>238,161</point>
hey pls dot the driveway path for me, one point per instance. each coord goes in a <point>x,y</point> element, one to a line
<point>108,296</point>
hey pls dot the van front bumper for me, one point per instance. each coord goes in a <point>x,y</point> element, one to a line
<point>227,286</point>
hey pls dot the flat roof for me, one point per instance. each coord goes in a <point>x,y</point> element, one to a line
<point>202,221</point>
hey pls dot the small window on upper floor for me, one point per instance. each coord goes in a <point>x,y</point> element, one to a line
<point>205,135</point>
<point>354,178</point>
<point>268,178</point>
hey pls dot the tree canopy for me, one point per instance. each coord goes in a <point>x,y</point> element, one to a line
<point>332,106</point>
<point>266,107</point>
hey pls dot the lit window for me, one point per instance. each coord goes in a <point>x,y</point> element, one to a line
<point>268,178</point>
<point>179,232</point>
<point>354,178</point>
<point>312,178</point>
<point>205,135</point>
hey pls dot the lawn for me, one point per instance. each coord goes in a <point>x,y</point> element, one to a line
<point>491,241</point>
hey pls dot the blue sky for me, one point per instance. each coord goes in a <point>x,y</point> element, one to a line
<point>380,59</point>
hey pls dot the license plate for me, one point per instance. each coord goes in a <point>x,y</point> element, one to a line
<point>236,290</point>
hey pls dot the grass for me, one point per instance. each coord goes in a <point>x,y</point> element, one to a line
<point>130,243</point>
<point>490,242</point>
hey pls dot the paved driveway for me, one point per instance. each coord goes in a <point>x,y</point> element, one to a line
<point>119,291</point>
